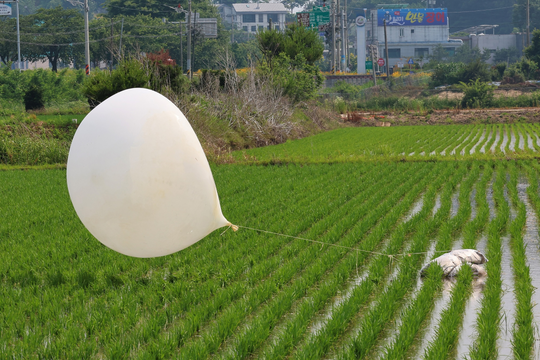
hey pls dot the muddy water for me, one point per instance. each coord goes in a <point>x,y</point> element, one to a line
<point>482,137</point>
<point>472,200</point>
<point>508,299</point>
<point>446,148</point>
<point>441,303</point>
<point>512,146</point>
<point>530,143</point>
<point>483,149</point>
<point>467,138</point>
<point>437,205</point>
<point>497,138</point>
<point>531,240</point>
<point>504,141</point>
<point>395,329</point>
<point>455,203</point>
<point>508,302</point>
<point>415,209</point>
<point>468,331</point>
<point>521,144</point>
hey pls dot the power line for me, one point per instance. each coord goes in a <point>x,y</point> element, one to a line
<point>92,41</point>
<point>472,11</point>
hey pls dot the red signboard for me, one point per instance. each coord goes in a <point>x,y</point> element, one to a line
<point>380,62</point>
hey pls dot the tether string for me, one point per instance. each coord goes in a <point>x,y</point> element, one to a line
<point>329,244</point>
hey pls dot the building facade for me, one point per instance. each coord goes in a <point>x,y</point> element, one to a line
<point>411,34</point>
<point>252,17</point>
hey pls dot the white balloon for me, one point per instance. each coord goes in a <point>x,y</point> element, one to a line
<point>139,179</point>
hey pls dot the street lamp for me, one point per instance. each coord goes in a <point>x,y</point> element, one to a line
<point>86,32</point>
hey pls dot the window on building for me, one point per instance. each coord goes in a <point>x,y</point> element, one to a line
<point>412,31</point>
<point>369,33</point>
<point>276,27</point>
<point>421,52</point>
<point>244,28</point>
<point>261,28</point>
<point>248,18</point>
<point>401,32</point>
<point>274,18</point>
<point>450,51</point>
<point>253,28</point>
<point>394,53</point>
<point>260,17</point>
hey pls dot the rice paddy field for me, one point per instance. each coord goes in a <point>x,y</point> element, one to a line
<point>487,142</point>
<point>356,293</point>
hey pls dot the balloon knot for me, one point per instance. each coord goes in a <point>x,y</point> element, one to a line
<point>234,227</point>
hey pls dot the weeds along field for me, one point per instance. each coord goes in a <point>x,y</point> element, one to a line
<point>255,295</point>
<point>495,141</point>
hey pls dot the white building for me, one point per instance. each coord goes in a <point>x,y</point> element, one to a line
<point>492,43</point>
<point>252,17</point>
<point>411,33</point>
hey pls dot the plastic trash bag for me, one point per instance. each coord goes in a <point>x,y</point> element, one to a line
<point>452,261</point>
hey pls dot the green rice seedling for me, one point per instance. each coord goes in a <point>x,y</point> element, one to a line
<point>488,318</point>
<point>210,341</point>
<point>523,334</point>
<point>451,317</point>
<point>417,311</point>
<point>373,322</point>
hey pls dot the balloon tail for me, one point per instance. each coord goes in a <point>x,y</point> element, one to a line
<point>234,227</point>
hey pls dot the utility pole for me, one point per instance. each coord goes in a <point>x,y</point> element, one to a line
<point>181,48</point>
<point>121,33</point>
<point>189,42</point>
<point>333,36</point>
<point>343,42</point>
<point>86,38</point>
<point>86,32</point>
<point>112,58</point>
<point>373,47</point>
<point>18,38</point>
<point>386,50</point>
<point>528,26</point>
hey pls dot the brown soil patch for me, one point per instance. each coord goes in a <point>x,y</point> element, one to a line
<point>447,117</point>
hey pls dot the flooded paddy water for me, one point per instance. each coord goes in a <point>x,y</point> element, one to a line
<point>531,239</point>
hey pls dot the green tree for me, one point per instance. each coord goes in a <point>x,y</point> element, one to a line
<point>54,34</point>
<point>532,52</point>
<point>301,40</point>
<point>8,47</point>
<point>294,41</point>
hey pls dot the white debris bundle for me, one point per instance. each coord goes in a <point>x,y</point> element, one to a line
<point>451,262</point>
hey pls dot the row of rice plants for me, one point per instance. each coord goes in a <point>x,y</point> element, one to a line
<point>531,137</point>
<point>41,246</point>
<point>447,146</point>
<point>381,312</point>
<point>260,269</point>
<point>523,334</point>
<point>451,318</point>
<point>319,263</point>
<point>321,226</point>
<point>416,313</point>
<point>167,342</point>
<point>487,325</point>
<point>318,344</point>
<point>361,144</point>
<point>293,330</point>
<point>39,226</point>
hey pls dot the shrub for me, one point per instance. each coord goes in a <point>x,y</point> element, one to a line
<point>33,98</point>
<point>476,94</point>
<point>102,84</point>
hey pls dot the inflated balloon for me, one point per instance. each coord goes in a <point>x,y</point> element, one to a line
<point>139,179</point>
